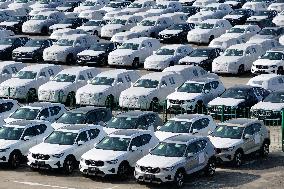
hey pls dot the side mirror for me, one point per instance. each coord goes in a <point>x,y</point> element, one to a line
<point>190,155</point>
<point>247,136</point>
<point>134,148</point>
<point>163,86</point>
<point>89,82</point>
<point>159,127</point>
<point>42,118</point>
<point>194,131</point>
<point>206,91</point>
<point>80,143</point>
<point>26,138</point>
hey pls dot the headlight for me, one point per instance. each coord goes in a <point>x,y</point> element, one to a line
<point>58,155</point>
<point>169,168</point>
<point>4,150</point>
<point>112,161</point>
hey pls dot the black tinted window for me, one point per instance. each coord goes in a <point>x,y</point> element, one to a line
<point>93,133</point>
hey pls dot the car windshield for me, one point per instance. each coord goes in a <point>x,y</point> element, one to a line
<point>236,93</point>
<point>268,32</point>
<point>100,46</point>
<point>132,46</point>
<point>176,126</point>
<point>135,5</point>
<point>34,43</point>
<point>169,150</point>
<point>238,12</point>
<point>273,56</point>
<point>146,83</point>
<point>67,21</point>
<point>191,88</point>
<point>224,131</point>
<point>7,41</point>
<point>276,97</point>
<point>262,13</point>
<point>206,26</point>
<point>26,75</point>
<point>164,51</point>
<point>72,118</point>
<point>102,81</point>
<point>200,53</point>
<point>61,138</point>
<point>21,1</point>
<point>236,30</point>
<point>93,23</point>
<point>64,78</point>
<point>39,17</point>
<point>209,9</point>
<point>122,123</point>
<point>118,21</point>
<point>159,6</point>
<point>114,143</point>
<point>67,4</point>
<point>178,27</point>
<point>115,5</point>
<point>43,1</point>
<point>11,133</point>
<point>89,3</point>
<point>147,23</point>
<point>234,52</point>
<point>65,42</point>
<point>25,113</point>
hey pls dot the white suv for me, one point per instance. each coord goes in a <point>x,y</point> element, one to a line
<point>17,138</point>
<point>8,68</point>
<point>242,32</point>
<point>117,153</point>
<point>7,107</point>
<point>64,147</point>
<point>25,84</point>
<point>105,88</point>
<point>63,87</point>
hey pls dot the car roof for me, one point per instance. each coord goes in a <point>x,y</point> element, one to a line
<point>86,109</point>
<point>187,116</point>
<point>3,100</point>
<point>42,104</point>
<point>126,17</point>
<point>181,138</point>
<point>6,63</point>
<point>242,46</point>
<point>37,67</point>
<point>173,46</point>
<point>24,123</point>
<point>156,76</point>
<point>242,26</point>
<point>138,40</point>
<point>113,73</point>
<point>211,21</point>
<point>76,70</point>
<point>127,132</point>
<point>241,122</point>
<point>74,127</point>
<point>134,113</point>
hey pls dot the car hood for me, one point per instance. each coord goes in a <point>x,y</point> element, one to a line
<point>7,143</point>
<point>57,49</point>
<point>59,26</point>
<point>225,101</point>
<point>93,89</point>
<point>224,142</point>
<point>16,82</point>
<point>265,62</point>
<point>3,47</point>
<point>46,148</point>
<point>171,32</point>
<point>193,59</point>
<point>232,35</point>
<point>183,96</point>
<point>159,161</point>
<point>156,11</point>
<point>87,28</point>
<point>229,16</point>
<point>205,13</point>
<point>26,49</point>
<point>122,52</point>
<point>139,91</point>
<point>226,59</point>
<point>268,106</point>
<point>90,53</point>
<point>161,135</point>
<point>103,155</point>
<point>141,28</point>
<point>160,58</point>
<point>33,22</point>
<point>6,23</point>
<point>112,26</point>
<point>55,86</point>
<point>200,31</point>
<point>62,8</point>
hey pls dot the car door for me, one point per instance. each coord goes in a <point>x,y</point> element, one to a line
<point>258,136</point>
<point>79,150</point>
<point>202,154</point>
<point>44,115</point>
<point>30,132</point>
<point>200,126</point>
<point>192,161</point>
<point>147,143</point>
<point>249,143</point>
<point>137,154</point>
<point>207,93</point>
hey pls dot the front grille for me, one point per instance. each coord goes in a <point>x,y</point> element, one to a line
<point>176,101</point>
<point>150,169</point>
<point>261,67</point>
<point>41,156</point>
<point>95,163</point>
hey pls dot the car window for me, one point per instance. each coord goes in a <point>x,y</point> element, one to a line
<point>119,80</point>
<point>256,127</point>
<point>201,145</point>
<point>92,117</point>
<point>249,130</point>
<point>54,110</point>
<point>30,132</point>
<point>44,113</point>
<point>200,124</point>
<point>42,74</point>
<point>142,123</point>
<point>40,128</point>
<point>137,141</point>
<point>82,137</point>
<point>93,133</point>
<point>192,148</point>
<point>102,115</point>
<point>207,86</point>
<point>81,77</point>
<point>4,107</point>
<point>214,84</point>
<point>145,139</point>
<point>5,71</point>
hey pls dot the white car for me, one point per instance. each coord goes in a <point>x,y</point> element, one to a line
<point>21,4</point>
<point>17,138</point>
<point>4,3</point>
<point>279,19</point>
<point>166,56</point>
<point>8,68</point>
<point>150,91</point>
<point>198,18</point>
<point>203,3</point>
<point>120,24</point>
<point>208,30</point>
<point>121,37</point>
<point>105,88</point>
<point>117,153</point>
<point>270,82</point>
<point>67,22</point>
<point>216,10</point>
<point>269,33</point>
<point>237,59</point>
<point>63,87</point>
<point>194,95</point>
<point>25,84</point>
<point>66,49</point>
<point>92,14</point>
<point>278,5</point>
<point>255,5</point>
<point>7,106</point>
<point>46,4</point>
<point>58,34</point>
<point>138,6</point>
<point>266,44</point>
<point>190,124</point>
<point>133,52</point>
<point>242,32</point>
<point>93,27</point>
<point>115,6</point>
<point>64,147</point>
<point>271,62</point>
<point>91,5</point>
<point>224,42</point>
<point>6,14</point>
<point>40,23</point>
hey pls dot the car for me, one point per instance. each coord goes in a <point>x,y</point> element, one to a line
<point>166,56</point>
<point>8,44</point>
<point>278,20</point>
<point>32,50</point>
<point>236,101</point>
<point>133,52</point>
<point>68,6</point>
<point>92,14</point>
<point>4,3</point>
<point>41,4</point>
<point>83,115</point>
<point>190,10</point>
<point>138,6</point>
<point>242,32</point>
<point>235,4</point>
<point>203,3</point>
<point>150,91</point>
<point>177,17</point>
<point>121,37</point>
<point>24,85</point>
<point>208,30</point>
<point>255,5</point>
<point>90,5</point>
<point>124,149</point>
<point>18,137</point>
<point>115,5</point>
<point>202,57</point>
<point>44,111</point>
<point>67,23</point>
<point>237,59</point>
<point>63,86</point>
<point>262,15</point>
<point>6,14</point>
<point>151,26</point>
<point>93,27</point>
<point>224,42</point>
<point>194,95</point>
<point>270,82</point>
<point>106,87</point>
<point>63,148</point>
<point>66,49</point>
<point>119,24</point>
<point>216,10</point>
<point>8,68</point>
<point>14,23</point>
<point>269,33</point>
<point>277,5</point>
<point>21,4</point>
<point>7,106</point>
<point>58,34</point>
<point>238,16</point>
<point>266,44</point>
<point>261,23</point>
<point>175,33</point>
<point>139,120</point>
<point>243,137</point>
<point>188,124</point>
<point>174,158</point>
<point>39,24</point>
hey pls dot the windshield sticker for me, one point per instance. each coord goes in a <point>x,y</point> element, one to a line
<point>128,119</point>
<point>219,129</point>
<point>105,141</point>
<point>161,146</point>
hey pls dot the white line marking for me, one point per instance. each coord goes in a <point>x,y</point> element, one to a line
<point>112,187</point>
<point>43,185</point>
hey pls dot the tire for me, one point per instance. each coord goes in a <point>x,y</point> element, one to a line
<point>211,38</point>
<point>264,151</point>
<point>44,30</point>
<point>238,158</point>
<point>69,165</point>
<point>210,167</point>
<point>153,35</point>
<point>123,170</point>
<point>15,159</point>
<point>280,71</point>
<point>31,96</point>
<point>96,33</point>
<point>241,69</point>
<point>69,59</point>
<point>109,102</point>
<point>71,99</point>
<point>154,105</point>
<point>179,179</point>
<point>135,63</point>
<point>171,63</point>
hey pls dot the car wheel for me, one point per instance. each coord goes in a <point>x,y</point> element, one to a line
<point>264,151</point>
<point>241,69</point>
<point>171,63</point>
<point>153,35</point>
<point>280,71</point>
<point>135,63</point>
<point>71,100</point>
<point>69,165</point>
<point>238,159</point>
<point>179,179</point>
<point>123,170</point>
<point>210,167</point>
<point>31,96</point>
<point>109,102</point>
<point>14,159</point>
<point>69,59</point>
<point>44,30</point>
<point>154,105</point>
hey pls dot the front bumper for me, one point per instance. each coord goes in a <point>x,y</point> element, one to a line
<point>119,61</point>
<point>155,65</point>
<point>45,164</point>
<point>263,70</point>
<point>134,103</point>
<point>90,99</point>
<point>157,178</point>
<point>197,39</point>
<point>110,169</point>
<point>22,56</point>
<point>86,60</point>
